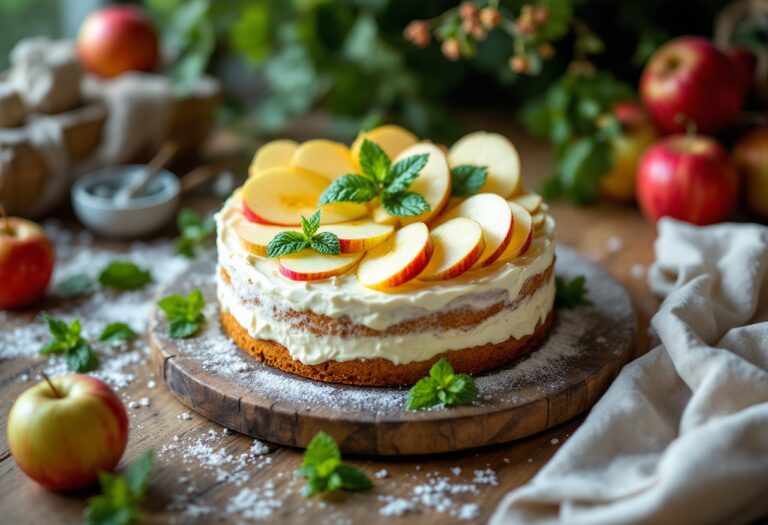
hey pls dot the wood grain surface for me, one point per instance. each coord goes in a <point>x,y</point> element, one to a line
<point>613,236</point>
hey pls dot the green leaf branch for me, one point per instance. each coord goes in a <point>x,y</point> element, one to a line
<point>184,314</point>
<point>442,387</point>
<point>117,275</point>
<point>285,243</point>
<point>195,231</point>
<point>324,471</point>
<point>122,494</point>
<point>570,294</point>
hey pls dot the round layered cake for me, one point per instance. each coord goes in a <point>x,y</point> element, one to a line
<point>352,328</point>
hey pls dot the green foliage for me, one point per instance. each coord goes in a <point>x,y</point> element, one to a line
<point>571,294</point>
<point>195,231</point>
<point>116,334</point>
<point>124,275</point>
<point>576,114</point>
<point>285,243</point>
<point>67,340</point>
<point>78,285</point>
<point>324,470</point>
<point>121,494</point>
<point>467,180</point>
<point>442,387</point>
<point>185,314</point>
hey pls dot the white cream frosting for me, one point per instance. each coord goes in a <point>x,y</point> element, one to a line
<point>255,277</point>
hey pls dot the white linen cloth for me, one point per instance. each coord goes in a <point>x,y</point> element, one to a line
<point>681,436</point>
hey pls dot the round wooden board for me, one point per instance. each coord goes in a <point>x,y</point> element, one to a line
<point>562,378</point>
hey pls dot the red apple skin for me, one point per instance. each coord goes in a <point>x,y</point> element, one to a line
<point>63,443</point>
<point>690,76</point>
<point>26,263</point>
<point>117,39</point>
<point>751,157</point>
<point>688,178</point>
<point>252,217</point>
<point>746,63</point>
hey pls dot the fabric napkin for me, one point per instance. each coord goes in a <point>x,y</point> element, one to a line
<point>681,437</point>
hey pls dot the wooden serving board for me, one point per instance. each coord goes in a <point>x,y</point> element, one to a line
<point>561,379</point>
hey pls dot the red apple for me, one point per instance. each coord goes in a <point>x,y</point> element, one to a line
<point>746,63</point>
<point>687,177</point>
<point>63,433</point>
<point>26,262</point>
<point>637,134</point>
<point>691,77</point>
<point>117,39</point>
<point>751,157</point>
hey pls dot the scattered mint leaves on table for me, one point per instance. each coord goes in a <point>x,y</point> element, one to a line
<point>116,334</point>
<point>380,178</point>
<point>78,285</point>
<point>124,275</point>
<point>185,314</point>
<point>195,231</point>
<point>467,180</point>
<point>285,243</point>
<point>121,494</point>
<point>67,340</point>
<point>324,470</point>
<point>571,294</point>
<point>442,387</point>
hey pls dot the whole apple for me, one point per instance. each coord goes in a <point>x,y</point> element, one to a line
<point>751,157</point>
<point>637,134</point>
<point>117,39</point>
<point>64,432</point>
<point>689,76</point>
<point>689,178</point>
<point>26,262</point>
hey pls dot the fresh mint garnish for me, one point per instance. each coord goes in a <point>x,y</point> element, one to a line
<point>78,285</point>
<point>442,387</point>
<point>67,340</point>
<point>467,180</point>
<point>195,231</point>
<point>185,314</point>
<point>324,470</point>
<point>124,275</point>
<point>116,334</point>
<point>285,243</point>
<point>380,178</point>
<point>571,294</point>
<point>121,494</point>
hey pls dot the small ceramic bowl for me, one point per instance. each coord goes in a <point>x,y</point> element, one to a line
<point>95,206</point>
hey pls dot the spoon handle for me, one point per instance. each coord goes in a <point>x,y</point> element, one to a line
<point>158,162</point>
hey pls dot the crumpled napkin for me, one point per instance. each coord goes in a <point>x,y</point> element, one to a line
<point>682,434</point>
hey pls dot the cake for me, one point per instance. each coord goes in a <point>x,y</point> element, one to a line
<point>468,276</point>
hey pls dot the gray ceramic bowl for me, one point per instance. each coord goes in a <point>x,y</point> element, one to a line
<point>92,199</point>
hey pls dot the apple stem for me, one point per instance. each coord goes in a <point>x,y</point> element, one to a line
<point>691,129</point>
<point>50,384</point>
<point>5,222</point>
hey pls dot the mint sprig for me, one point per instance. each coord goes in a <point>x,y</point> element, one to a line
<point>185,314</point>
<point>442,387</point>
<point>195,231</point>
<point>117,334</point>
<point>285,243</point>
<point>67,340</point>
<point>571,294</point>
<point>120,501</point>
<point>324,470</point>
<point>380,178</point>
<point>467,179</point>
<point>119,275</point>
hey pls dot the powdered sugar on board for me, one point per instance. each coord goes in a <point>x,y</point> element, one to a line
<point>585,329</point>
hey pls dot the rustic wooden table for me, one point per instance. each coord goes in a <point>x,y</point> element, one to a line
<point>204,474</point>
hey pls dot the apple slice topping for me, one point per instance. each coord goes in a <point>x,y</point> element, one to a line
<point>283,195</point>
<point>308,265</point>
<point>522,233</point>
<point>538,220</point>
<point>494,215</point>
<point>275,154</point>
<point>529,201</point>
<point>325,157</point>
<point>392,139</point>
<point>458,244</point>
<point>398,260</point>
<point>495,152</point>
<point>433,183</point>
<point>255,237</point>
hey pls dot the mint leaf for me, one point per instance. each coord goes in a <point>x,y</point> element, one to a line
<point>326,243</point>
<point>78,285</point>
<point>324,470</point>
<point>571,294</point>
<point>184,314</point>
<point>124,275</point>
<point>309,227</point>
<point>404,204</point>
<point>117,333</point>
<point>467,180</point>
<point>404,172</point>
<point>350,188</point>
<point>80,357</point>
<point>121,494</point>
<point>442,386</point>
<point>59,329</point>
<point>195,231</point>
<point>374,162</point>
<point>285,243</point>
<point>138,473</point>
